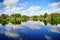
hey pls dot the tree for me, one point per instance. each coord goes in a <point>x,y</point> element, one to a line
<point>45,15</point>
<point>35,18</point>
<point>4,16</point>
<point>17,15</point>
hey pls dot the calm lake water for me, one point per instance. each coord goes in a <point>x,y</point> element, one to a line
<point>30,30</point>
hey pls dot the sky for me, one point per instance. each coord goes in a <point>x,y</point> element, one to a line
<point>29,7</point>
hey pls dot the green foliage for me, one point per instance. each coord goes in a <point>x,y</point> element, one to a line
<point>4,16</point>
<point>41,17</point>
<point>4,22</point>
<point>24,18</point>
<point>45,15</point>
<point>35,18</point>
<point>53,18</point>
<point>17,15</point>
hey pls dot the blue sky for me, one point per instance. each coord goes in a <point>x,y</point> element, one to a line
<point>29,7</point>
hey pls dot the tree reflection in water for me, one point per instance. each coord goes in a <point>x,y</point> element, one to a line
<point>53,22</point>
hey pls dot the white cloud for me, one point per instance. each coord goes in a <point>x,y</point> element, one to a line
<point>10,2</point>
<point>23,4</point>
<point>49,11</point>
<point>31,11</point>
<point>57,10</point>
<point>53,8</point>
<point>42,12</point>
<point>34,8</point>
<point>54,5</point>
<point>23,12</point>
<point>9,10</point>
<point>12,8</point>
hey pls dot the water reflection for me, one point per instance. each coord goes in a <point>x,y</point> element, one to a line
<point>54,28</point>
<point>33,24</point>
<point>4,22</point>
<point>29,30</point>
<point>15,22</point>
<point>45,22</point>
<point>11,34</point>
<point>48,37</point>
<point>54,22</point>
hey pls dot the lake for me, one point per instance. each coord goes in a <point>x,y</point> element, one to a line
<point>29,30</point>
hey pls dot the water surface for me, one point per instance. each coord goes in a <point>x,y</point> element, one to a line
<point>29,30</point>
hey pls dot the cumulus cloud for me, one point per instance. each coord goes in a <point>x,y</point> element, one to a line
<point>42,12</point>
<point>23,4</point>
<point>12,8</point>
<point>57,10</point>
<point>34,8</point>
<point>55,4</point>
<point>53,8</point>
<point>10,2</point>
<point>9,10</point>
<point>24,12</point>
<point>49,11</point>
<point>31,11</point>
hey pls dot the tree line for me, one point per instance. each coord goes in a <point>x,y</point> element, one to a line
<point>53,18</point>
